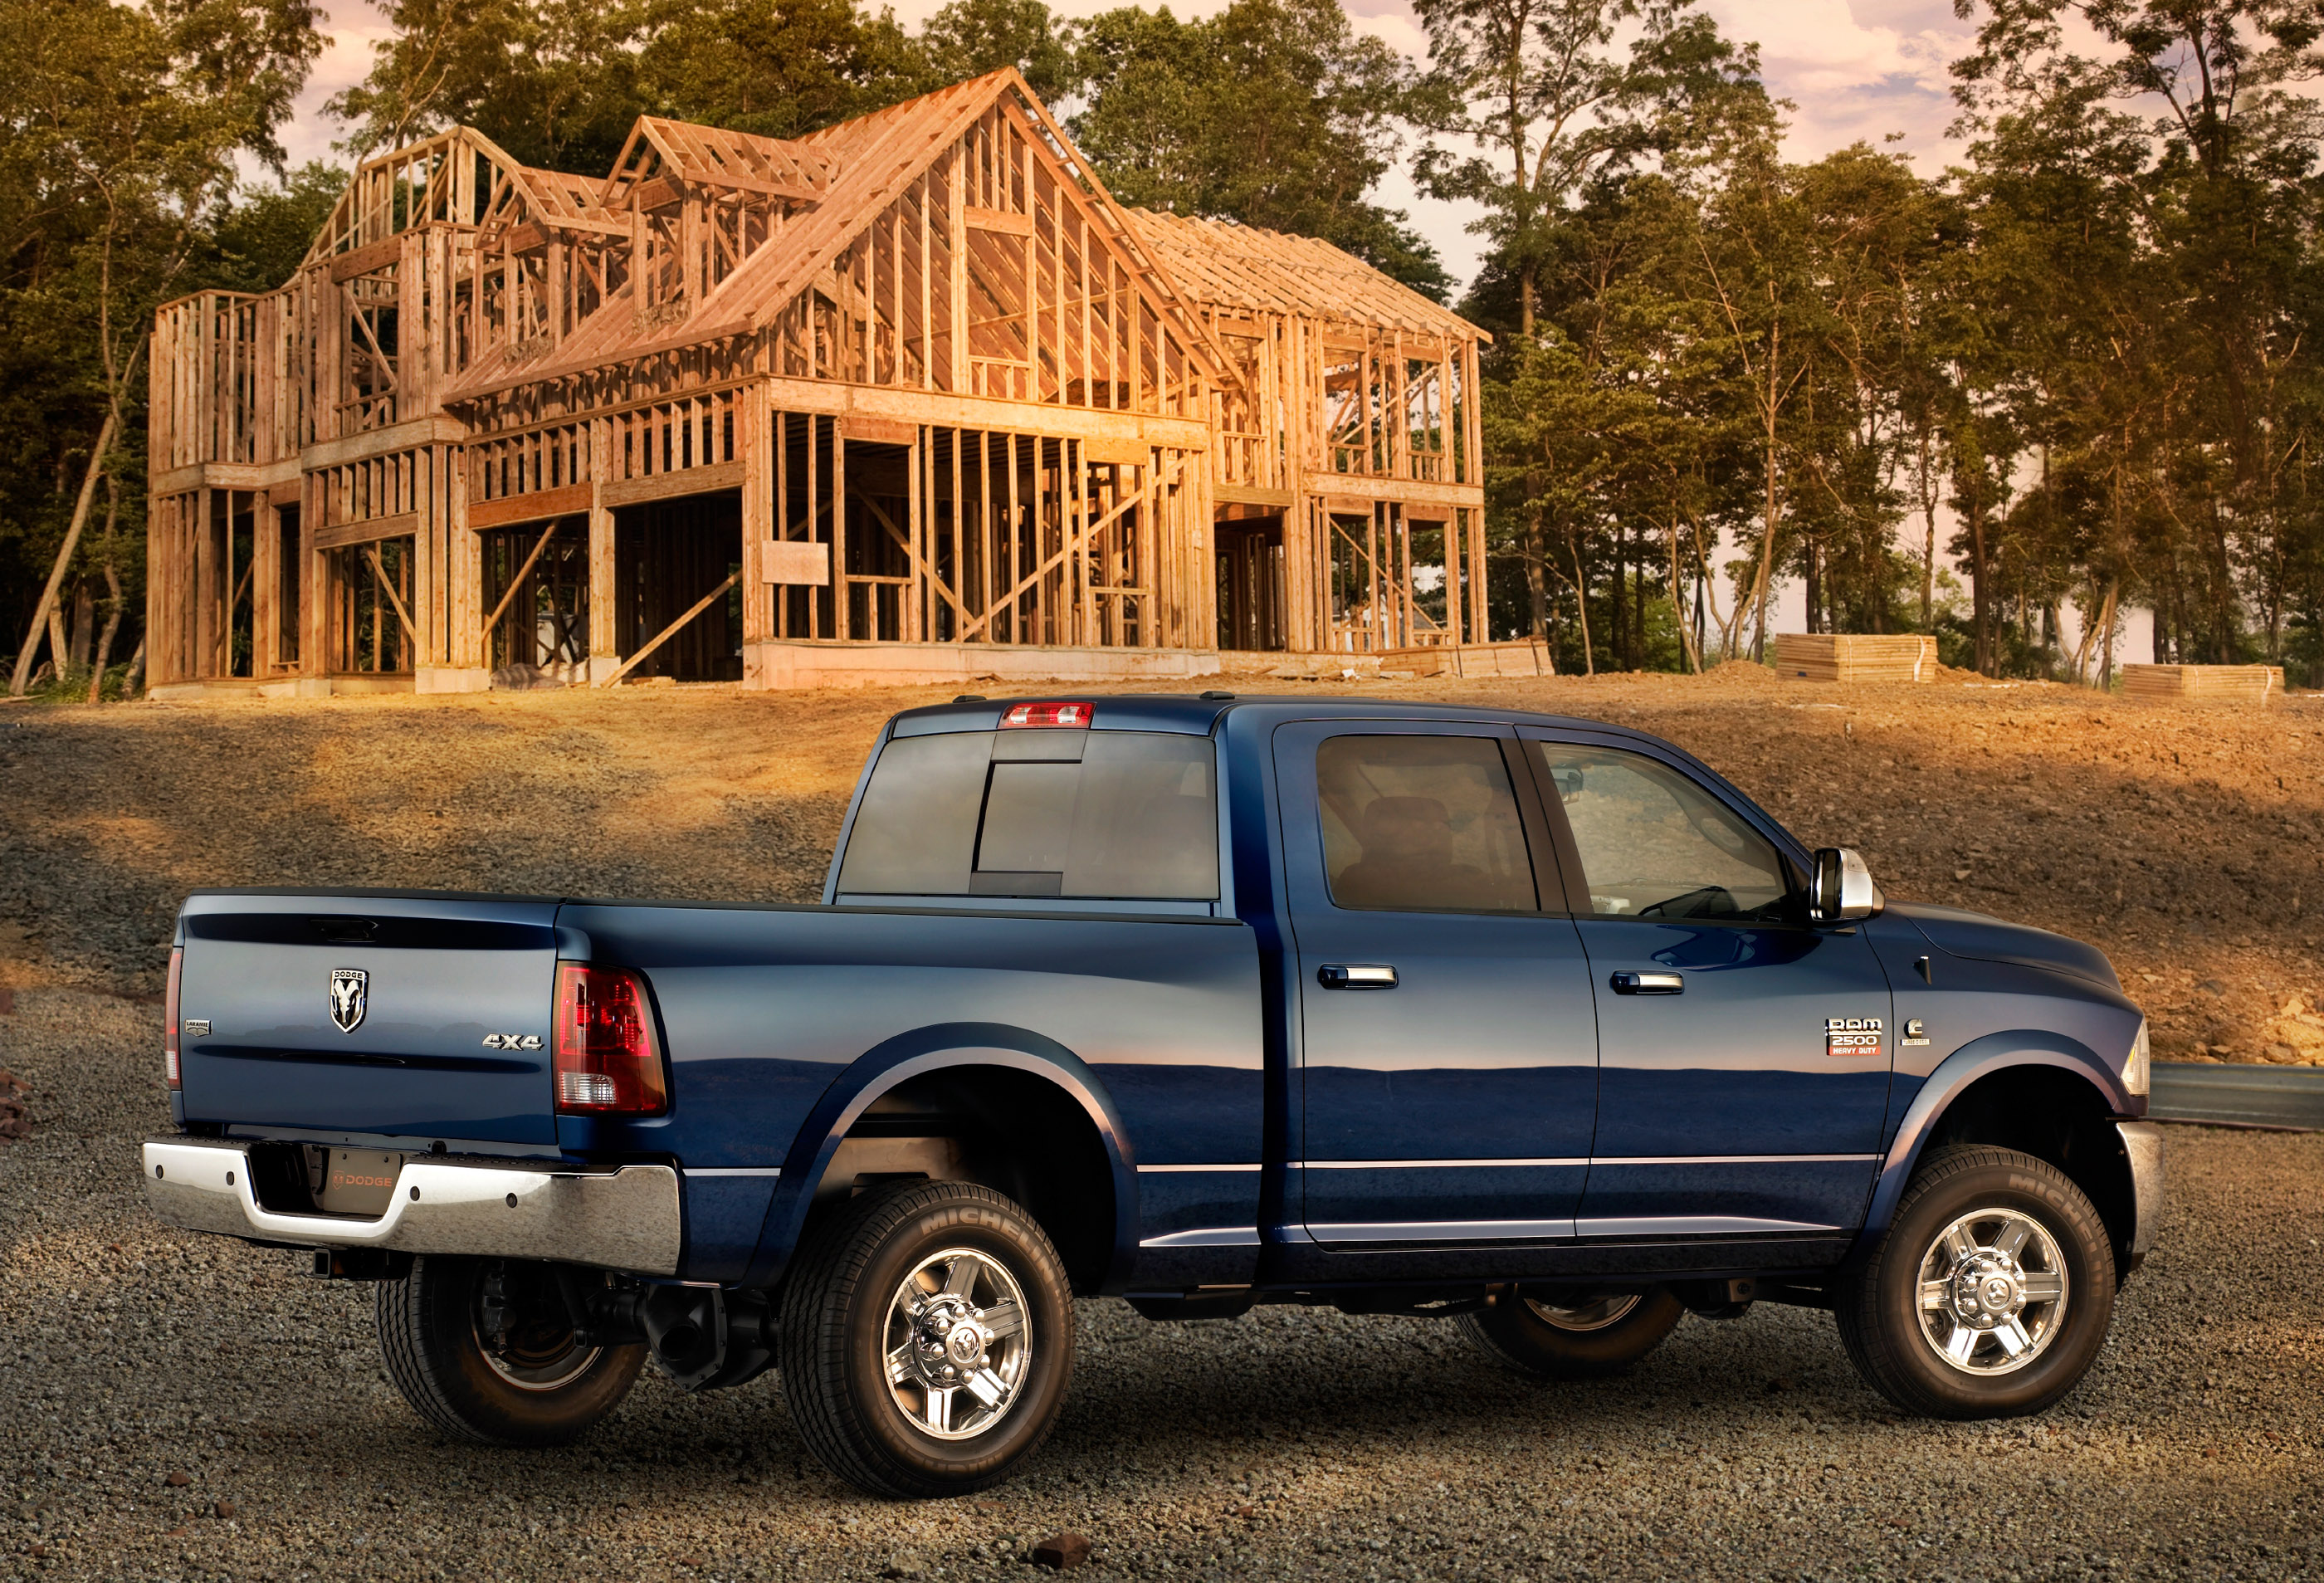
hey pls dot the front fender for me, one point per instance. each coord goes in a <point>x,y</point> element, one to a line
<point>1978,1058</point>
<point>906,1056</point>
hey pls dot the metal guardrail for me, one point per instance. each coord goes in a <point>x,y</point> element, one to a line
<point>2238,1094</point>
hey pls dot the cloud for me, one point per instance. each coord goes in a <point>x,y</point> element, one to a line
<point>1399,30</point>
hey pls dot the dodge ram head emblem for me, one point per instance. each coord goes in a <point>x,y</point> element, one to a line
<point>350,997</point>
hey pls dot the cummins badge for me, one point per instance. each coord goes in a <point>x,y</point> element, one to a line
<point>350,997</point>
<point>1855,1036</point>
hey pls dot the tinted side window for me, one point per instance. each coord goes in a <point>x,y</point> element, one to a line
<point>1416,823</point>
<point>1134,818</point>
<point>1656,845</point>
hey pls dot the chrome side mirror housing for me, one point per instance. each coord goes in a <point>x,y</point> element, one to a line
<point>1843,889</point>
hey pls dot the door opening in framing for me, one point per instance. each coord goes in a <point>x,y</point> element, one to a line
<point>370,611</point>
<point>669,557</point>
<point>1252,612</point>
<point>288,562</point>
<point>543,633</point>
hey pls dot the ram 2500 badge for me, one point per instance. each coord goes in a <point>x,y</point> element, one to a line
<point>1534,1024</point>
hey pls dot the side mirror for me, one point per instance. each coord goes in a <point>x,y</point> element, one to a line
<point>1843,889</point>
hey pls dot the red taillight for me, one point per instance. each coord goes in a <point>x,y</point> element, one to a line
<point>606,1061</point>
<point>170,1021</point>
<point>1046,715</point>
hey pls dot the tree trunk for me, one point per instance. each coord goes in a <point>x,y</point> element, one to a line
<point>113,583</point>
<point>1980,616</point>
<point>1581,606</point>
<point>1690,649</point>
<point>84,623</point>
<point>46,609</point>
<point>1767,573</point>
<point>136,672</point>
<point>1536,554</point>
<point>1618,648</point>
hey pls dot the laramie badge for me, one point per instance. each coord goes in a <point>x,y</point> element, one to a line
<point>1852,1036</point>
<point>350,997</point>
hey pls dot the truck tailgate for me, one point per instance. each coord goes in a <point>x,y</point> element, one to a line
<point>411,1016</point>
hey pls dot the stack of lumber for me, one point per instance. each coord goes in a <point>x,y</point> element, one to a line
<point>2221,683</point>
<point>1522,657</point>
<point>1825,656</point>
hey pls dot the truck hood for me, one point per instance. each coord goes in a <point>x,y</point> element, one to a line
<point>1981,939</point>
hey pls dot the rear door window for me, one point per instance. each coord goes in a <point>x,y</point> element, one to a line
<point>1110,815</point>
<point>1421,824</point>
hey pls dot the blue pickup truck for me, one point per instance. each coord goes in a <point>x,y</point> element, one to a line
<point>1536,1024</point>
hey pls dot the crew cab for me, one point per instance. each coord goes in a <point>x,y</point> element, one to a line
<point>1535,1024</point>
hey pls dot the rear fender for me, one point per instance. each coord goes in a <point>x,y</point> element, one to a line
<point>1979,1058</point>
<point>911,1055</point>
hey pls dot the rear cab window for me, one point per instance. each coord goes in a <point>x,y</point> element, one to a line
<point>1043,815</point>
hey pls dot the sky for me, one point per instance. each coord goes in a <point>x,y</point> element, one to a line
<point>1854,70</point>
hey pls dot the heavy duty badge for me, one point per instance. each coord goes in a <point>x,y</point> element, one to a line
<point>350,997</point>
<point>1851,1036</point>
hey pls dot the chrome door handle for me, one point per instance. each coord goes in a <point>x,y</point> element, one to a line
<point>1356,976</point>
<point>1648,983</point>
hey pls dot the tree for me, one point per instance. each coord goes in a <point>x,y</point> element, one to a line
<point>125,122</point>
<point>554,82</point>
<point>969,38</point>
<point>1273,113</point>
<point>777,68</point>
<point>1541,85</point>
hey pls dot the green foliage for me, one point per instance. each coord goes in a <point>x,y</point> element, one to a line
<point>2085,365</point>
<point>257,244</point>
<point>969,38</point>
<point>778,67</point>
<point>1274,112</point>
<point>125,125</point>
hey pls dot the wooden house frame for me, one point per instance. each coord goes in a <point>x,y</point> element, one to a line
<point>910,398</point>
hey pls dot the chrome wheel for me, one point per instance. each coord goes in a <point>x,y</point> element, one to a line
<point>1595,1315</point>
<point>958,1343</point>
<point>1992,1291</point>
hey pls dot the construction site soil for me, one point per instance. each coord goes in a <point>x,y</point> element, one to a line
<point>2185,840</point>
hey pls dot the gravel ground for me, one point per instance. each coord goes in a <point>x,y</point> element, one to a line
<point>1289,1442</point>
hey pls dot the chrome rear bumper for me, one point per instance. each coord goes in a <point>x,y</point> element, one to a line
<point>623,1219</point>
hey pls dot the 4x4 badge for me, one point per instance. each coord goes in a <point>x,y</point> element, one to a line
<point>350,997</point>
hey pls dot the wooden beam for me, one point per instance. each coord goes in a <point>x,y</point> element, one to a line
<point>363,260</point>
<point>706,480</point>
<point>511,509</point>
<point>371,531</point>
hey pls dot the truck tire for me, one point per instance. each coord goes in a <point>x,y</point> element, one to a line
<point>1990,1294</point>
<point>528,1384</point>
<point>1593,1340</point>
<point>926,1337</point>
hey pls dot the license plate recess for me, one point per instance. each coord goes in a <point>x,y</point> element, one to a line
<point>358,1182</point>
